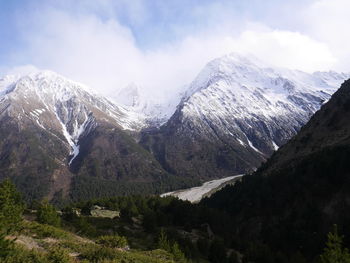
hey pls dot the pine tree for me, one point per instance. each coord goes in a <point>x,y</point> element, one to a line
<point>334,251</point>
<point>6,246</point>
<point>47,214</point>
<point>11,207</point>
<point>163,242</point>
<point>174,249</point>
<point>217,253</point>
<point>177,253</point>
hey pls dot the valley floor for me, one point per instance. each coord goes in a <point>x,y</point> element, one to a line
<point>195,194</point>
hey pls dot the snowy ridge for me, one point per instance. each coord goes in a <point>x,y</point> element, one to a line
<point>56,103</point>
<point>259,106</point>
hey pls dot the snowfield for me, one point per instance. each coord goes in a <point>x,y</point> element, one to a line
<point>195,194</point>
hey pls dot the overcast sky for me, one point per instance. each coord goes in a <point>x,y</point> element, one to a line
<point>162,44</point>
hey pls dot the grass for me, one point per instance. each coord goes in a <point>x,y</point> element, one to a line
<point>37,230</point>
<point>55,245</point>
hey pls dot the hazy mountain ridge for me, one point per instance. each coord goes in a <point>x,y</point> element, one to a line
<point>155,111</point>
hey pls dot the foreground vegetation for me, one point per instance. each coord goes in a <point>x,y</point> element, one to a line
<point>23,240</point>
<point>132,229</point>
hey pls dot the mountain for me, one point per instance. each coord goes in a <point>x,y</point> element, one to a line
<point>155,111</point>
<point>296,197</point>
<point>60,140</point>
<point>235,114</point>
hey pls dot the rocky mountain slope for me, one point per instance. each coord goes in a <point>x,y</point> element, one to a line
<point>55,135</point>
<point>297,196</point>
<point>235,114</point>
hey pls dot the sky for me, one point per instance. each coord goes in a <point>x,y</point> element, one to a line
<point>161,45</point>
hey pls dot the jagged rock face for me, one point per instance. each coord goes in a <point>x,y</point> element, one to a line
<point>52,129</point>
<point>235,114</point>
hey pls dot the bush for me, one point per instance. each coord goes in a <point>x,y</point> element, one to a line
<point>47,215</point>
<point>113,241</point>
<point>98,254</point>
<point>6,246</point>
<point>58,255</point>
<point>43,231</point>
<point>20,255</point>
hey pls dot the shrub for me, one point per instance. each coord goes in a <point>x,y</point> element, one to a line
<point>113,241</point>
<point>98,254</point>
<point>6,246</point>
<point>58,255</point>
<point>43,231</point>
<point>20,255</point>
<point>47,215</point>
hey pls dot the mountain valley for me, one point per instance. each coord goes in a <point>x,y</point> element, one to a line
<point>61,141</point>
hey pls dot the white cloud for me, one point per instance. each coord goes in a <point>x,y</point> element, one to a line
<point>103,53</point>
<point>287,49</point>
<point>328,21</point>
<point>21,70</point>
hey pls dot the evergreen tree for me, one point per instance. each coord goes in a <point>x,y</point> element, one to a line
<point>217,253</point>
<point>334,251</point>
<point>234,258</point>
<point>6,246</point>
<point>177,253</point>
<point>11,207</point>
<point>163,242</point>
<point>149,221</point>
<point>174,249</point>
<point>47,214</point>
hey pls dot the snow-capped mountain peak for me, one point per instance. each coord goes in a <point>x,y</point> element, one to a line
<point>236,112</point>
<point>233,92</point>
<point>61,106</point>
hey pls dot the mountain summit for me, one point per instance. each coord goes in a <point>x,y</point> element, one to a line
<point>235,114</point>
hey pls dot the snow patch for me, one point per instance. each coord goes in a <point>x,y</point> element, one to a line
<point>241,142</point>
<point>275,146</point>
<point>252,146</point>
<point>74,148</point>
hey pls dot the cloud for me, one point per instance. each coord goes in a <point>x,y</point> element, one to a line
<point>287,49</point>
<point>327,21</point>
<point>22,70</point>
<point>98,50</point>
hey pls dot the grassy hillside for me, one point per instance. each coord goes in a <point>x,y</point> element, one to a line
<point>43,243</point>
